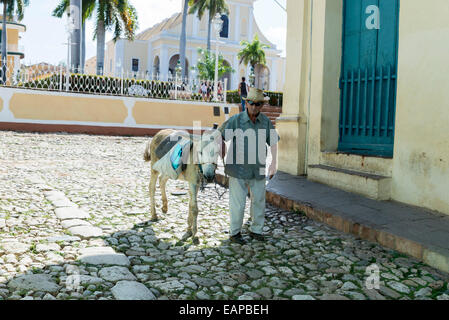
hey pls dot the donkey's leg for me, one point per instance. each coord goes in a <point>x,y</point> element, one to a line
<point>153,180</point>
<point>193,211</point>
<point>191,220</point>
<point>189,232</point>
<point>163,183</point>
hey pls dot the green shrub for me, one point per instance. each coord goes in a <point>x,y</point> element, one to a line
<point>276,98</point>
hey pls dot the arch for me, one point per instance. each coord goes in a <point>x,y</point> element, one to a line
<point>172,64</point>
<point>262,77</point>
<point>227,76</point>
<point>225,30</point>
<point>156,66</point>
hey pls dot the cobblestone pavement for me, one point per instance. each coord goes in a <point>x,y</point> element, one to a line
<point>74,224</point>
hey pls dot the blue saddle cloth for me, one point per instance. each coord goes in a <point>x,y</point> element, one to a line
<point>176,157</point>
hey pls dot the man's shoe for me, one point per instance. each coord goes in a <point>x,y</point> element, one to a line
<point>238,239</point>
<point>256,236</point>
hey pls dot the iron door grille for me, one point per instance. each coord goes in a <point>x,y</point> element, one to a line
<point>368,81</point>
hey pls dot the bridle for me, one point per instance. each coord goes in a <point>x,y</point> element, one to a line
<point>203,184</point>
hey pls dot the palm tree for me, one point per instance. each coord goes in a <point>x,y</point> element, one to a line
<point>120,16</point>
<point>206,65</point>
<point>116,15</point>
<point>183,40</point>
<point>213,7</point>
<point>253,53</point>
<point>88,7</point>
<point>9,6</point>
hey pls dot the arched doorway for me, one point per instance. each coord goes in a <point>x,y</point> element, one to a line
<point>225,30</point>
<point>262,74</point>
<point>173,64</point>
<point>156,66</point>
<point>227,76</point>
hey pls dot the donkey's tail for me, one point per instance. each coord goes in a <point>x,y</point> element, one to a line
<point>147,153</point>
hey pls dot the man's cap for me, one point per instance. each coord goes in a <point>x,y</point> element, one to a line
<point>256,95</point>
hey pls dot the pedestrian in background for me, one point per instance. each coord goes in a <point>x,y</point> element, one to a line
<point>209,91</point>
<point>243,92</point>
<point>220,91</point>
<point>204,90</point>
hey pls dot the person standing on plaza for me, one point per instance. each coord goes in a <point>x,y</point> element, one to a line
<point>250,132</point>
<point>204,91</point>
<point>243,92</point>
<point>220,91</point>
<point>209,91</point>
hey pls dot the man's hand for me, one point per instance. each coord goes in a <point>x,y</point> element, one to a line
<point>272,169</point>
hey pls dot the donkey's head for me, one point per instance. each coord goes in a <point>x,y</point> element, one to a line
<point>208,151</point>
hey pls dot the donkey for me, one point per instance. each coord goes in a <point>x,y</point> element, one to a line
<point>199,168</point>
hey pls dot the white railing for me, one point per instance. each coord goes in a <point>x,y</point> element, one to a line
<point>13,48</point>
<point>133,84</point>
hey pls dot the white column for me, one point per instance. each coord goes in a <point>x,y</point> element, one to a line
<point>150,59</point>
<point>194,60</point>
<point>119,57</point>
<point>274,75</point>
<point>164,63</point>
<point>250,23</point>
<point>235,76</point>
<point>237,23</point>
<point>196,25</point>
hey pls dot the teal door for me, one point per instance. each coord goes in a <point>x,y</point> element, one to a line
<point>368,77</point>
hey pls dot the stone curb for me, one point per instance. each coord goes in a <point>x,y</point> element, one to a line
<point>432,257</point>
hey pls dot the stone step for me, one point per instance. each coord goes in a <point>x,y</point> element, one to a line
<point>367,164</point>
<point>272,109</point>
<point>272,115</point>
<point>369,185</point>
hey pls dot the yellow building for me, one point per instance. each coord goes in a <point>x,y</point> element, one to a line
<point>155,51</point>
<point>15,52</point>
<point>366,100</point>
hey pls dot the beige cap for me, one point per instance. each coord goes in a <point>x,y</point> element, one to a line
<point>256,95</point>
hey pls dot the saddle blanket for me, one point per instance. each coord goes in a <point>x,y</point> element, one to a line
<point>175,153</point>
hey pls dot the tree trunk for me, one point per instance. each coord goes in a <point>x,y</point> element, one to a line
<point>83,46</point>
<point>182,54</point>
<point>4,42</point>
<point>100,47</point>
<point>253,73</point>
<point>75,9</point>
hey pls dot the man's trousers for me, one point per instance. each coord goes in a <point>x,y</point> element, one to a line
<point>238,189</point>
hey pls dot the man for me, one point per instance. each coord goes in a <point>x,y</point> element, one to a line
<point>250,132</point>
<point>243,92</point>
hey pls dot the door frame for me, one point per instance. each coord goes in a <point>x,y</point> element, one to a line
<point>383,151</point>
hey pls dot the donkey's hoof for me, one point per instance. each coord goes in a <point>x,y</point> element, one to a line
<point>164,209</point>
<point>196,241</point>
<point>154,219</point>
<point>186,235</point>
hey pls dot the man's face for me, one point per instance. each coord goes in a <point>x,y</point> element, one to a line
<point>254,108</point>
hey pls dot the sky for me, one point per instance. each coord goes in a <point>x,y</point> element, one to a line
<point>45,38</point>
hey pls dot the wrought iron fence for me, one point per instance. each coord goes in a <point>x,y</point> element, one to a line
<point>131,84</point>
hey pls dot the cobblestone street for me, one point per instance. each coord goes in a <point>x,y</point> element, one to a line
<point>74,224</point>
